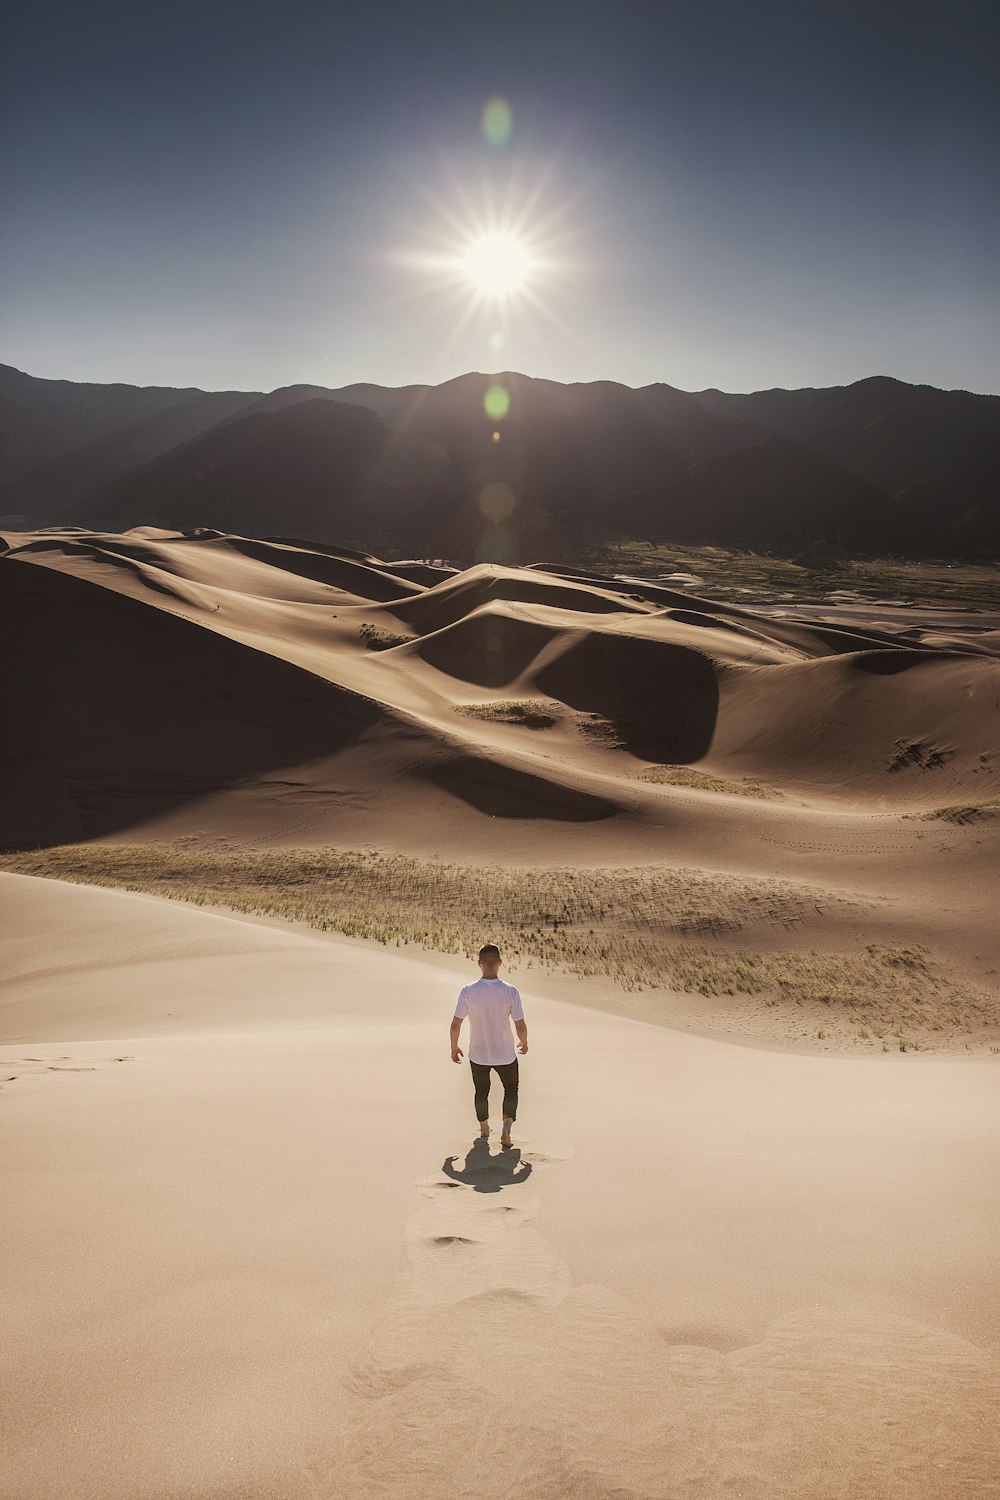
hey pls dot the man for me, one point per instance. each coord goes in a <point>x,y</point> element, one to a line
<point>491,1005</point>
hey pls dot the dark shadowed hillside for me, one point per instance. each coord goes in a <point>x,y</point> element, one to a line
<point>938,451</point>
<point>61,439</point>
<point>447,480</point>
<point>314,468</point>
<point>878,466</point>
<point>774,488</point>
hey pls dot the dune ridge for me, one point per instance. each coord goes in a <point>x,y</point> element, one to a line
<point>272,694</point>
<point>595,646</point>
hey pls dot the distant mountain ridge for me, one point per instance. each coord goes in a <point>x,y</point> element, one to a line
<point>878,465</point>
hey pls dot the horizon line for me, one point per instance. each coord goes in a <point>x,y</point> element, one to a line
<point>499,375</point>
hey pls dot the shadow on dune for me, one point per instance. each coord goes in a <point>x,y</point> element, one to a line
<point>501,791</point>
<point>661,700</point>
<point>891,663</point>
<point>117,712</point>
<point>486,1173</point>
<point>366,581</point>
<point>488,649</point>
<point>149,561</point>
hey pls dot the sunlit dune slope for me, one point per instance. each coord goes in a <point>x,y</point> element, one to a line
<point>246,1232</point>
<point>157,669</point>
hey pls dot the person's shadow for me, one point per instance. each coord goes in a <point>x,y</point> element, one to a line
<point>486,1173</point>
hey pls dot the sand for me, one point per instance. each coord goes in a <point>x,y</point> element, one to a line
<point>250,1246</point>
<point>231,691</point>
<point>236,1263</point>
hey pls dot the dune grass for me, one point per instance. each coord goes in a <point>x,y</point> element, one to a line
<point>377,639</point>
<point>529,713</point>
<point>685,776</point>
<point>960,812</point>
<point>642,928</point>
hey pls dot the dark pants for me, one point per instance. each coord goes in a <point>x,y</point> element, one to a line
<point>481,1079</point>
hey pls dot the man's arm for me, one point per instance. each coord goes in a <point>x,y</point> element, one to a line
<point>456,1051</point>
<point>522,1035</point>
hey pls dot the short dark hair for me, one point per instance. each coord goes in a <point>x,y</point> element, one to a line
<point>489,950</point>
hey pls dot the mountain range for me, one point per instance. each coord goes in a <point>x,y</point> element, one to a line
<point>878,466</point>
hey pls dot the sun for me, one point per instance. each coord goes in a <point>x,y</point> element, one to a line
<point>497,263</point>
<point>493,256</point>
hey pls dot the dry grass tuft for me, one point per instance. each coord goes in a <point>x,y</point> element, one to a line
<point>643,928</point>
<point>685,776</point>
<point>529,713</point>
<point>603,731</point>
<point>909,753</point>
<point>964,812</point>
<point>377,639</point>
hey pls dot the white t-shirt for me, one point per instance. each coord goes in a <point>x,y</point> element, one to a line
<point>490,1005</point>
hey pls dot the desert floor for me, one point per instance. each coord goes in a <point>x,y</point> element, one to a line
<point>237,1265</point>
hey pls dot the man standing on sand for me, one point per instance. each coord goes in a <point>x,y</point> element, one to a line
<point>491,1005</point>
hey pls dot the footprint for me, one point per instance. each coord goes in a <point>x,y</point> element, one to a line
<point>540,1155</point>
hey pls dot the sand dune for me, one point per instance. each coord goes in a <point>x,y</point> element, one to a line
<point>907,726</point>
<point>203,685</point>
<point>927,716</point>
<point>456,598</point>
<point>116,708</point>
<point>250,1247</point>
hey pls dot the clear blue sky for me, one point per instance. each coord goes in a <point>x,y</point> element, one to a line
<point>742,195</point>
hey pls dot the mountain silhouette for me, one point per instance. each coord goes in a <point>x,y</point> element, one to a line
<point>61,439</point>
<point>876,466</point>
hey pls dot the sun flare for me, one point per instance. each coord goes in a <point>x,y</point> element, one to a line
<point>496,257</point>
<point>497,263</point>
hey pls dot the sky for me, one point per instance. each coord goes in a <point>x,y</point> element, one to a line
<point>739,195</point>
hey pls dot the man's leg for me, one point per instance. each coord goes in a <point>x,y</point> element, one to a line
<point>481,1081</point>
<point>509,1078</point>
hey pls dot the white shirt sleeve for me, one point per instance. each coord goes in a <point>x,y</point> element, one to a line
<point>516,1009</point>
<point>462,1008</point>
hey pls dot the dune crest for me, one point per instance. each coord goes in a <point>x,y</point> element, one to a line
<point>273,693</point>
<point>826,712</point>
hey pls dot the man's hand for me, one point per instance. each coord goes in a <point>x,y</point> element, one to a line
<point>522,1046</point>
<point>457,1054</point>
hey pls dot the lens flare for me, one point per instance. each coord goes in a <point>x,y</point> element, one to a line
<point>497,121</point>
<point>496,402</point>
<point>497,502</point>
